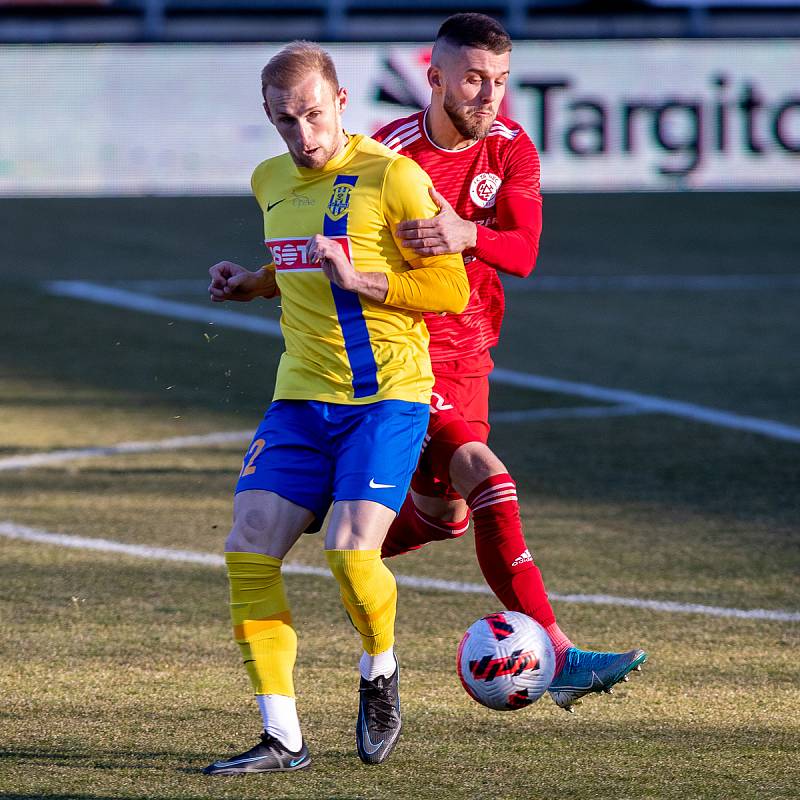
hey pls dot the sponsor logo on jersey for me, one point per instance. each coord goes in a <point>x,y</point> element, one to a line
<point>483,189</point>
<point>339,203</point>
<point>302,200</point>
<point>291,255</point>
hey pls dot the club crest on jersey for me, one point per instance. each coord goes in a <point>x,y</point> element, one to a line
<point>483,189</point>
<point>339,203</point>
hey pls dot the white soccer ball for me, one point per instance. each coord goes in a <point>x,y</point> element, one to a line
<point>506,661</point>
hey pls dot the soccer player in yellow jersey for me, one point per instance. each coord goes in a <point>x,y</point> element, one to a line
<point>351,398</point>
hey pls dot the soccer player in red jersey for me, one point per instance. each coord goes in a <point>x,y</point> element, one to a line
<point>485,171</point>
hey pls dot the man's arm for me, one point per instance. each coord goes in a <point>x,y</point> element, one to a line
<point>437,289</point>
<point>338,269</point>
<point>514,246</point>
<point>436,282</point>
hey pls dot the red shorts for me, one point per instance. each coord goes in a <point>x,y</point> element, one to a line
<point>459,414</point>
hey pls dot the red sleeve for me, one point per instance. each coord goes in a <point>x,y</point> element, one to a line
<point>513,248</point>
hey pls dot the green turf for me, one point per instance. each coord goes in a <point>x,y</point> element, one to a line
<point>119,679</point>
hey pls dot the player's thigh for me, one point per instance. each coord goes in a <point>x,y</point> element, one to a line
<point>378,451</point>
<point>358,525</point>
<point>464,397</point>
<point>289,457</point>
<point>266,523</point>
<point>459,416</point>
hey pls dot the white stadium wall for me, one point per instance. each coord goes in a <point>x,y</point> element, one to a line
<point>187,119</point>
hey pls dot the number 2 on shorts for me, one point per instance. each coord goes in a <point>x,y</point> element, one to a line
<point>254,452</point>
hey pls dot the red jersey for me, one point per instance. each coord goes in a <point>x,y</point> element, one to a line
<point>495,184</point>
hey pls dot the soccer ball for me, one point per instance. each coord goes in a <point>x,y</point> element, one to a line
<point>506,661</point>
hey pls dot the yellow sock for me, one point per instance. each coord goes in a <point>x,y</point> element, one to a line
<point>369,594</point>
<point>262,622</point>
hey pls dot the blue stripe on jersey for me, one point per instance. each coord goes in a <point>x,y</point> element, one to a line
<point>351,315</point>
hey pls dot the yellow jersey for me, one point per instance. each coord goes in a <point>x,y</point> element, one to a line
<point>340,347</point>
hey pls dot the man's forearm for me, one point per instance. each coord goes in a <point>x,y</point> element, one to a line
<point>372,286</point>
<point>513,252</point>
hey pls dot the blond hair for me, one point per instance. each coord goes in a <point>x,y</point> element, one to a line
<point>294,63</point>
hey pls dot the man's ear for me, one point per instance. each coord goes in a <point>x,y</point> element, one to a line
<point>341,99</point>
<point>434,77</point>
<point>267,112</point>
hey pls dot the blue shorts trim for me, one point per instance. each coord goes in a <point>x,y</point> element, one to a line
<point>314,453</point>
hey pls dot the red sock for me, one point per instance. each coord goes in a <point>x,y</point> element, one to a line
<point>413,528</point>
<point>560,644</point>
<point>505,559</point>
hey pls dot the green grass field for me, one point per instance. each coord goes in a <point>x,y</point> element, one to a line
<point>119,678</point>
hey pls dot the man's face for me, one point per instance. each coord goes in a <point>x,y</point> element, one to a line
<point>470,84</point>
<point>308,119</point>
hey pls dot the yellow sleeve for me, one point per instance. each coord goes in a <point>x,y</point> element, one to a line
<point>271,284</point>
<point>268,270</point>
<point>257,181</point>
<point>436,283</point>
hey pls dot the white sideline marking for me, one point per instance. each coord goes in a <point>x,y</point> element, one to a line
<point>161,286</point>
<point>224,437</point>
<point>175,443</point>
<point>648,283</point>
<point>11,530</point>
<point>149,304</point>
<point>649,403</point>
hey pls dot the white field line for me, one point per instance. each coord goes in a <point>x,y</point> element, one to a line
<point>10,530</point>
<point>44,459</point>
<point>649,403</point>
<point>188,311</point>
<point>149,304</point>
<point>650,283</point>
<point>174,443</point>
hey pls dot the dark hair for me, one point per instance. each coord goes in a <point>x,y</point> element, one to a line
<point>475,30</point>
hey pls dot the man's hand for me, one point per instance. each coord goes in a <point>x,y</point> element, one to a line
<point>231,281</point>
<point>444,233</point>
<point>339,270</point>
<point>330,255</point>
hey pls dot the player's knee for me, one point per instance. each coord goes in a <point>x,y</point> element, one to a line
<point>473,463</point>
<point>441,508</point>
<point>250,531</point>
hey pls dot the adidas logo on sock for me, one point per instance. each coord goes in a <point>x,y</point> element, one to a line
<point>523,558</point>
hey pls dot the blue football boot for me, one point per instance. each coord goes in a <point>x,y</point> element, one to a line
<point>585,672</point>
